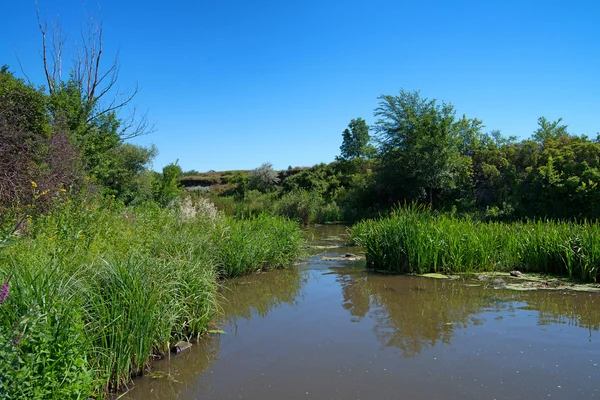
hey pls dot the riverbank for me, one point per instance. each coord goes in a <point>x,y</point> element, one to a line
<point>93,291</point>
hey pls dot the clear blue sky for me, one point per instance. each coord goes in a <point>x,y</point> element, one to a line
<point>233,84</point>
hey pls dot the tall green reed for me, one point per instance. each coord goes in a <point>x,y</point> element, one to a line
<point>414,240</point>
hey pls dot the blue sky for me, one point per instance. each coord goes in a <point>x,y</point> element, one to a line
<point>233,84</point>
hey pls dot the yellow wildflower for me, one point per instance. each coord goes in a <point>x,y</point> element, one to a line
<point>33,184</point>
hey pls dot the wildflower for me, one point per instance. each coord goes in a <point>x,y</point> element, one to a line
<point>23,227</point>
<point>45,192</point>
<point>33,184</point>
<point>63,190</point>
<point>18,338</point>
<point>4,292</point>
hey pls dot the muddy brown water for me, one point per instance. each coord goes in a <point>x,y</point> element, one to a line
<point>332,330</point>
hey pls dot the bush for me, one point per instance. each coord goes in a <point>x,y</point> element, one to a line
<point>263,178</point>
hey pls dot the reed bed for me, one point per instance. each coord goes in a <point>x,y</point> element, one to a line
<point>93,291</point>
<point>414,240</point>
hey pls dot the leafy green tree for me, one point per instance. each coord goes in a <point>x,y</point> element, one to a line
<point>355,141</point>
<point>24,131</point>
<point>126,174</point>
<point>419,145</point>
<point>316,179</point>
<point>168,187</point>
<point>549,130</point>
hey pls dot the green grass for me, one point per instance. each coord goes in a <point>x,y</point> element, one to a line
<point>303,206</point>
<point>413,240</point>
<point>97,289</point>
<point>258,243</point>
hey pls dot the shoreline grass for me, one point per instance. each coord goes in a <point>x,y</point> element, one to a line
<point>414,240</point>
<point>95,290</point>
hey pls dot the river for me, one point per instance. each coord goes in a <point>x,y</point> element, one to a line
<point>329,329</point>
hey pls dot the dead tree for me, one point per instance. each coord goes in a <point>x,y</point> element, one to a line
<point>96,82</point>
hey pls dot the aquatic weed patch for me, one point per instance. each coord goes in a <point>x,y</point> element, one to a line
<point>413,240</point>
<point>258,243</point>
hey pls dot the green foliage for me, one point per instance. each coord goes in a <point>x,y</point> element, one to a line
<point>97,288</point>
<point>419,145</point>
<point>321,178</point>
<point>23,106</point>
<point>263,178</point>
<point>53,139</point>
<point>42,345</point>
<point>261,242</point>
<point>549,130</point>
<point>414,240</point>
<point>167,186</point>
<point>355,141</point>
<point>126,175</point>
<point>24,139</point>
<point>301,205</point>
<point>240,180</point>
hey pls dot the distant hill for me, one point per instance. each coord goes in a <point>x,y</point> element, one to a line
<point>223,180</point>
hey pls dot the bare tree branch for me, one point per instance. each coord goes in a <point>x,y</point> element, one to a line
<point>98,84</point>
<point>21,68</point>
<point>43,29</point>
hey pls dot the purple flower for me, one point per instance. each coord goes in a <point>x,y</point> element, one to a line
<point>18,338</point>
<point>4,292</point>
<point>23,227</point>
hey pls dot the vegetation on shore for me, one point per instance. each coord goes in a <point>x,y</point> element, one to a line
<point>94,289</point>
<point>420,150</point>
<point>414,240</point>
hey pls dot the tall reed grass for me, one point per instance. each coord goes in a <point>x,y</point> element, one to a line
<point>414,240</point>
<point>94,290</point>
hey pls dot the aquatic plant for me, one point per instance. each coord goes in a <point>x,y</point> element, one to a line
<point>414,240</point>
<point>260,242</point>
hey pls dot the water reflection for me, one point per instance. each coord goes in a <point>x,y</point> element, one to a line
<point>336,331</point>
<point>248,297</point>
<point>413,314</point>
<point>260,294</point>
